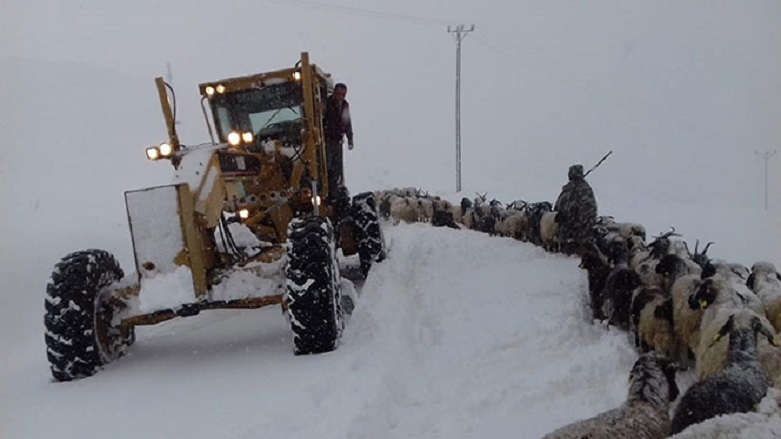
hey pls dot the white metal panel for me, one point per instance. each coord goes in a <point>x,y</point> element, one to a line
<point>158,239</point>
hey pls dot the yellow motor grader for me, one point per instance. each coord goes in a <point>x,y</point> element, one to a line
<point>249,221</point>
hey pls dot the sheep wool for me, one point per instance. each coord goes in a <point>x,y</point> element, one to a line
<point>764,281</point>
<point>644,415</point>
<point>736,389</point>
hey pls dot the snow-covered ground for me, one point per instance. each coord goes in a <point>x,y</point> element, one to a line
<point>457,334</point>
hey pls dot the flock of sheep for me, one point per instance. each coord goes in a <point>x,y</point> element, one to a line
<point>684,309</point>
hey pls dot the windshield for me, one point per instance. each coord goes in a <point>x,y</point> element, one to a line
<point>267,121</point>
<point>271,112</point>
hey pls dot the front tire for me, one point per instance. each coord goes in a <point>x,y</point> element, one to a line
<point>313,296</point>
<point>80,337</point>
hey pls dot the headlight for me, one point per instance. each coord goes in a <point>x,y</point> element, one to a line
<point>152,153</point>
<point>209,91</point>
<point>220,89</point>
<point>247,137</point>
<point>316,200</point>
<point>244,214</point>
<point>234,138</point>
<point>165,149</point>
<point>297,76</point>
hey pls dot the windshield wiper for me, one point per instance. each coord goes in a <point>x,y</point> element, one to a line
<point>275,115</point>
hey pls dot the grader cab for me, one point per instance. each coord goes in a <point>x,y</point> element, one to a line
<point>248,221</point>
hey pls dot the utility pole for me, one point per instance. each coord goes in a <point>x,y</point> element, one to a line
<point>460,32</point>
<point>766,155</point>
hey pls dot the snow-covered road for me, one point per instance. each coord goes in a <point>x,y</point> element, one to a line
<point>457,334</point>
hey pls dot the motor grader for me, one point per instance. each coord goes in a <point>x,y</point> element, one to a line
<point>249,221</point>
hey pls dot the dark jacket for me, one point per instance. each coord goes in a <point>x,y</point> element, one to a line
<point>336,121</point>
<point>577,208</point>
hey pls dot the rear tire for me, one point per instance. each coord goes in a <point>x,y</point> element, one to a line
<point>313,296</point>
<point>368,233</point>
<point>80,337</point>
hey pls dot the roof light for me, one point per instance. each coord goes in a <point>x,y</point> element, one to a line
<point>297,76</point>
<point>209,91</point>
<point>247,137</point>
<point>220,89</point>
<point>234,138</point>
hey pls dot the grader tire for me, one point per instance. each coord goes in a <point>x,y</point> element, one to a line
<point>313,294</point>
<point>371,243</point>
<point>76,314</point>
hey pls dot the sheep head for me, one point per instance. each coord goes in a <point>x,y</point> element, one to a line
<point>646,371</point>
<point>661,243</point>
<point>763,270</point>
<point>701,258</point>
<point>466,203</point>
<point>706,293</point>
<point>669,264</point>
<point>592,257</point>
<point>755,324</point>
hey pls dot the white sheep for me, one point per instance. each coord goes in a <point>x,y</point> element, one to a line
<point>720,302</point>
<point>764,282</point>
<point>513,223</point>
<point>686,321</point>
<point>425,209</point>
<point>736,272</point>
<point>644,415</point>
<point>641,262</point>
<point>652,320</point>
<point>627,230</point>
<point>403,209</point>
<point>549,232</point>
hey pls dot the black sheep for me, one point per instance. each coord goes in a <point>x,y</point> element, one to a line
<point>738,388</point>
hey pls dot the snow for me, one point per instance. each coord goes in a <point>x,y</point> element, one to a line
<point>456,334</point>
<point>166,290</point>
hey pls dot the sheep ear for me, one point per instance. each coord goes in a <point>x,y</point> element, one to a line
<point>715,339</point>
<point>771,338</point>
<point>725,329</point>
<point>762,329</point>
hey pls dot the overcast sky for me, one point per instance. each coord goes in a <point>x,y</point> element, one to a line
<point>571,78</point>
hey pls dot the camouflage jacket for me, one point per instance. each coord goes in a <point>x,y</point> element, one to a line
<point>577,209</point>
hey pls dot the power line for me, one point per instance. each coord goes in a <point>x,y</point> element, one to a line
<point>361,12</point>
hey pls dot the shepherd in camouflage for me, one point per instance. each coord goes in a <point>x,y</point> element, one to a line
<point>577,212</point>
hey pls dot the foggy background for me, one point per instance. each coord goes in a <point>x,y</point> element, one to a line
<point>685,93</point>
